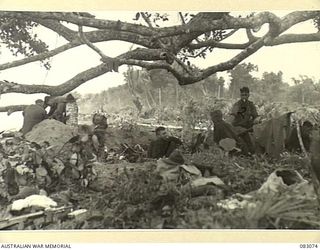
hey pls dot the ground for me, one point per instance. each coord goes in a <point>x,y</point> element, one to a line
<point>130,195</point>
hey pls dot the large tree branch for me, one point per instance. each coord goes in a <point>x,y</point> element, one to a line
<point>85,40</point>
<point>185,79</point>
<point>154,65</point>
<point>170,56</point>
<point>284,39</point>
<point>95,36</point>
<point>76,81</point>
<point>157,48</point>
<point>297,17</point>
<point>203,25</point>
<point>107,35</point>
<point>92,36</point>
<point>12,108</point>
<point>79,20</point>
<point>143,54</point>
<point>59,28</point>
<point>39,57</point>
<point>215,44</point>
<point>295,38</point>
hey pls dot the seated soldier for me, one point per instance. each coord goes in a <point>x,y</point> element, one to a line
<point>244,113</point>
<point>164,145</point>
<point>224,130</point>
<point>292,142</point>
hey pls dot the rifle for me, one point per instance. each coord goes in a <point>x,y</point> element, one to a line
<point>47,215</point>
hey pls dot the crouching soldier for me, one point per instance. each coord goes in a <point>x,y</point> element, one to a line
<point>164,145</point>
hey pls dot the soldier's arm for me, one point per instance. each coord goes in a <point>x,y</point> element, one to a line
<point>234,109</point>
<point>175,140</point>
<point>254,112</point>
<point>150,150</point>
<point>61,107</point>
<point>95,142</point>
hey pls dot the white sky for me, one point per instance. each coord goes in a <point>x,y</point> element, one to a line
<point>292,59</point>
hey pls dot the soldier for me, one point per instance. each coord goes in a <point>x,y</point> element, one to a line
<point>223,130</point>
<point>164,145</point>
<point>57,106</point>
<point>32,115</point>
<point>293,144</point>
<point>100,124</point>
<point>244,114</point>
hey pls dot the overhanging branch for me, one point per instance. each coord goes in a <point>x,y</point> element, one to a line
<point>76,81</point>
<point>215,44</point>
<point>295,38</point>
<point>12,108</point>
<point>157,51</point>
<point>79,20</point>
<point>39,57</point>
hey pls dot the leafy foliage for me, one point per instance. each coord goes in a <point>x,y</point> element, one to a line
<point>316,22</point>
<point>19,38</point>
<point>153,17</point>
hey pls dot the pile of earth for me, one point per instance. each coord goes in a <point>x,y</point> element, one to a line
<point>52,131</point>
<point>117,136</point>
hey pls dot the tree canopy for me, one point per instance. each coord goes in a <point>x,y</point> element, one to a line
<point>168,47</point>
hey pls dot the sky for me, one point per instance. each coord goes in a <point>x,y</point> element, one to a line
<point>292,59</point>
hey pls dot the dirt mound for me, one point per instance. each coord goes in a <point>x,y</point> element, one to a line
<point>52,131</point>
<point>116,136</point>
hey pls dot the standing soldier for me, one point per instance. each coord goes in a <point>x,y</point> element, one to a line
<point>100,124</point>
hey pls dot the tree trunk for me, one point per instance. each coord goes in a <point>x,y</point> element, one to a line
<point>160,101</point>
<point>147,100</point>
<point>177,95</point>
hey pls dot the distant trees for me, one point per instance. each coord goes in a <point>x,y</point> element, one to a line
<point>150,86</point>
<point>305,90</point>
<point>241,76</point>
<point>272,87</point>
